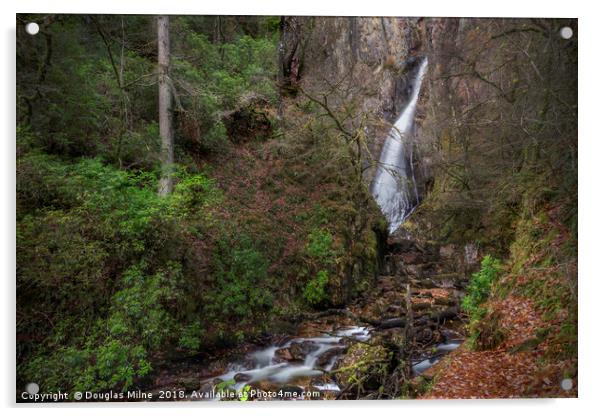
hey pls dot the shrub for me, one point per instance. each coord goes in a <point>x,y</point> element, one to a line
<point>483,328</point>
<point>101,270</point>
<point>191,337</point>
<point>115,350</point>
<point>315,291</point>
<point>240,289</point>
<point>480,285</point>
<point>319,246</point>
<point>320,255</point>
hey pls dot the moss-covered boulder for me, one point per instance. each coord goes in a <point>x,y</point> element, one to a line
<point>364,367</point>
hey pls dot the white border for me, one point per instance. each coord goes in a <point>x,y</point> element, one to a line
<point>590,94</point>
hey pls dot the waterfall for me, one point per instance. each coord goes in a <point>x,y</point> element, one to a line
<point>394,180</point>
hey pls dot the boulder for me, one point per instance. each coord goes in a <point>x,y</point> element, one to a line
<point>326,358</point>
<point>299,350</point>
<point>284,354</point>
<point>364,366</point>
<point>242,377</point>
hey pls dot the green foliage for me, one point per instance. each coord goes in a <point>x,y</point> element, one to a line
<point>319,246</point>
<point>480,285</point>
<point>110,276</point>
<point>193,195</point>
<point>241,284</point>
<point>244,393</point>
<point>320,252</point>
<point>96,244</point>
<point>315,291</point>
<point>191,337</point>
<point>115,351</point>
<point>228,72</point>
<point>483,328</point>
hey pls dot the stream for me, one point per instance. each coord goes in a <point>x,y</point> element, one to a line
<point>304,364</point>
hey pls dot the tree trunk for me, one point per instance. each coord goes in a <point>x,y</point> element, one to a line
<point>165,108</point>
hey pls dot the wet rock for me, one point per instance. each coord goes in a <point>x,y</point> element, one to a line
<point>284,354</point>
<point>299,350</point>
<point>242,377</point>
<point>327,357</point>
<point>451,335</point>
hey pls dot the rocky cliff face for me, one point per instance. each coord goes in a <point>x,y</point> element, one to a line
<point>486,78</point>
<point>364,64</point>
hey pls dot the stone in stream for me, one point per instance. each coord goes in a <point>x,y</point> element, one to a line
<point>242,377</point>
<point>364,366</point>
<point>284,354</point>
<point>328,357</point>
<point>297,351</point>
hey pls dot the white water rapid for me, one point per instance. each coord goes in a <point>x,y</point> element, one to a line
<point>264,364</point>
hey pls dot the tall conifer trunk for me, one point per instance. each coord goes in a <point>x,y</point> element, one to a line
<point>165,108</point>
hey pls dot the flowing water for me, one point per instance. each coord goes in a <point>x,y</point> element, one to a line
<point>420,366</point>
<point>393,187</point>
<point>315,358</point>
<point>268,365</point>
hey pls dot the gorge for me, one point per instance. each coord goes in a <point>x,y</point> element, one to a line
<point>359,207</point>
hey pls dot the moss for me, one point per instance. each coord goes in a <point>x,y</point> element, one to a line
<point>363,367</point>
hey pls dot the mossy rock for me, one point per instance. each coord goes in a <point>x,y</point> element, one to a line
<point>363,367</point>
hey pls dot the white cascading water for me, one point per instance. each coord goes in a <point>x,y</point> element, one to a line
<point>393,181</point>
<point>265,365</point>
